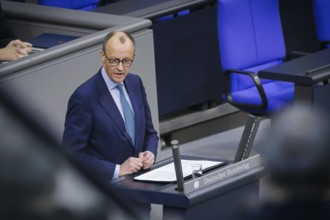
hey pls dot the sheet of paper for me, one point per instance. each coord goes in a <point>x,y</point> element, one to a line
<point>166,173</point>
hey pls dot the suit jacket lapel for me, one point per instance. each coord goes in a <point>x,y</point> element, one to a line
<point>109,105</point>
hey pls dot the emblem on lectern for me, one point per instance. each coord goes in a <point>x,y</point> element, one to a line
<point>196,184</point>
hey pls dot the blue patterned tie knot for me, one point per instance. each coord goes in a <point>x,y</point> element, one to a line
<point>128,113</point>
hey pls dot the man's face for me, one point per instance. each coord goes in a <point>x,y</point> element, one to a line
<point>116,50</point>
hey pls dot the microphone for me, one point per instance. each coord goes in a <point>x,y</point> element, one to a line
<point>177,164</point>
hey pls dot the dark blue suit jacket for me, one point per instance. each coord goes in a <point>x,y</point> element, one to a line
<point>95,130</point>
<point>6,34</point>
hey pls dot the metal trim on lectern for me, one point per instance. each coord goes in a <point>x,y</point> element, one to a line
<point>223,173</point>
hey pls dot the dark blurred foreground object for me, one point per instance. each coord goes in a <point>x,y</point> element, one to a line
<point>297,152</point>
<point>297,159</point>
<point>40,181</point>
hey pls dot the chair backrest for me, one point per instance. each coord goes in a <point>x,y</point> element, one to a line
<point>250,37</point>
<point>72,4</point>
<point>322,20</point>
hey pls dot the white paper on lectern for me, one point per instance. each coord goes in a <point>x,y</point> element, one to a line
<point>166,173</point>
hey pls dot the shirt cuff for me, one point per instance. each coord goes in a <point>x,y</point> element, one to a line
<point>116,173</point>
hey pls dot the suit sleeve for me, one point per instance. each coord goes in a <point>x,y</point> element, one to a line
<point>78,126</point>
<point>6,35</point>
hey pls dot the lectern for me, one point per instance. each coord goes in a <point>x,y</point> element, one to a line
<point>215,195</point>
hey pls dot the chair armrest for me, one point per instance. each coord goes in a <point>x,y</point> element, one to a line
<point>295,54</point>
<point>257,83</point>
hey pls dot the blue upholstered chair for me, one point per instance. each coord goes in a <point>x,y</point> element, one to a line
<point>251,39</point>
<point>72,4</point>
<point>322,21</point>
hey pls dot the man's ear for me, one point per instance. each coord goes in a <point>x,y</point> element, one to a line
<point>101,53</point>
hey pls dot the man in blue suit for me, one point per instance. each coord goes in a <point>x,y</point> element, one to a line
<point>95,128</point>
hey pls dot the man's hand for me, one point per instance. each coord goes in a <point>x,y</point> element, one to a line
<point>23,48</point>
<point>148,159</point>
<point>130,166</point>
<point>15,50</point>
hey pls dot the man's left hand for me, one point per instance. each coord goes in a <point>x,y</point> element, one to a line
<point>148,159</point>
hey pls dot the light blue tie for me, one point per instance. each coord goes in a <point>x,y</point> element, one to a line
<point>128,113</point>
